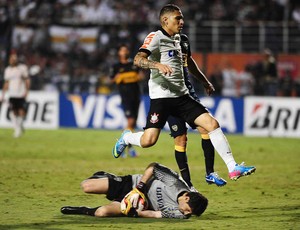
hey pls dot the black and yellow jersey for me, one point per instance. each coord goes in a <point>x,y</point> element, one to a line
<point>125,73</point>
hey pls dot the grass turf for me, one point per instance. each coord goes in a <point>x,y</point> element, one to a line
<point>42,171</point>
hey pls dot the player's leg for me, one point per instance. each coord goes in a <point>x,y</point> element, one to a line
<point>179,133</point>
<point>79,210</point>
<point>209,157</point>
<point>95,186</point>
<point>181,158</point>
<point>198,116</point>
<point>222,146</point>
<point>115,188</point>
<point>131,121</point>
<point>156,119</point>
<point>130,95</point>
<point>22,114</point>
<point>112,209</point>
<point>142,139</point>
<point>14,107</point>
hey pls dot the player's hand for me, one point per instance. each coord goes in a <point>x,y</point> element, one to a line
<point>2,99</point>
<point>209,88</point>
<point>164,69</point>
<point>134,196</point>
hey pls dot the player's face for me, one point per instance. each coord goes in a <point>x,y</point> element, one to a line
<point>123,52</point>
<point>174,22</point>
<point>13,59</point>
<point>184,207</point>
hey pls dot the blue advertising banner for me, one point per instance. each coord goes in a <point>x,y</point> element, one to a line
<point>105,112</point>
<point>228,111</point>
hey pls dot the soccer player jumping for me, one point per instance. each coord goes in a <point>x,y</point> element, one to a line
<point>162,54</point>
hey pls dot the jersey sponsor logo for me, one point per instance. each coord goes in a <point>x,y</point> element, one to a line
<point>154,118</point>
<point>174,53</point>
<point>159,198</point>
<point>148,40</point>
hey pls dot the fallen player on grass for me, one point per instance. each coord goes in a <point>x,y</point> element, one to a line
<point>158,193</point>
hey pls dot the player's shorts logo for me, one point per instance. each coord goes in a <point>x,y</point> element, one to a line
<point>174,128</point>
<point>154,118</point>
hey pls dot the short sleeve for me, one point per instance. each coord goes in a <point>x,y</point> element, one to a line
<point>151,43</point>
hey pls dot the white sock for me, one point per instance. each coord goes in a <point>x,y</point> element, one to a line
<point>221,145</point>
<point>20,122</point>
<point>133,138</point>
<point>15,121</point>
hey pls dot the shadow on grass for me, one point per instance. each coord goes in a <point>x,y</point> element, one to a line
<point>82,222</point>
<point>79,222</point>
<point>289,211</point>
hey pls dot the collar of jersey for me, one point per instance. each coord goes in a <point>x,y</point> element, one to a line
<point>164,32</point>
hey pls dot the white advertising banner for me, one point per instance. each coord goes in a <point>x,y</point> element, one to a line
<point>272,116</point>
<point>42,111</point>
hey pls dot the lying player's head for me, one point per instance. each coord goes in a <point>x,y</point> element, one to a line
<point>197,202</point>
<point>171,19</point>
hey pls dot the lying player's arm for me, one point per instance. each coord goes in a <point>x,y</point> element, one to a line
<point>197,73</point>
<point>150,214</point>
<point>148,173</point>
<point>141,60</point>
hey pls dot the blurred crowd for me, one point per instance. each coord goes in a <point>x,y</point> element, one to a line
<point>24,27</point>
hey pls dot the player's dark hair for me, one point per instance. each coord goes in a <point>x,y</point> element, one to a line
<point>123,45</point>
<point>169,8</point>
<point>197,202</point>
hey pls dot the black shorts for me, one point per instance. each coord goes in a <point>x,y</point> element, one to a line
<point>130,95</point>
<point>17,103</point>
<point>118,186</point>
<point>184,107</point>
<point>177,126</point>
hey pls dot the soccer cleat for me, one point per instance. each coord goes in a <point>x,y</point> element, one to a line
<point>214,178</point>
<point>120,145</point>
<point>241,170</point>
<point>74,210</point>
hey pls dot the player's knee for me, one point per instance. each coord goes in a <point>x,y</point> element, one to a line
<point>148,141</point>
<point>100,212</point>
<point>86,186</point>
<point>181,140</point>
<point>103,212</point>
<point>214,124</point>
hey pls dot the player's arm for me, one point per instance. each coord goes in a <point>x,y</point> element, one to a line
<point>198,74</point>
<point>27,85</point>
<point>4,89</point>
<point>141,60</point>
<point>150,214</point>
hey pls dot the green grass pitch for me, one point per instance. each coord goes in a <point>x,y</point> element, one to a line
<point>42,171</point>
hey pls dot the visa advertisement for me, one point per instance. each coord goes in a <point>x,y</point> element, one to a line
<point>105,112</point>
